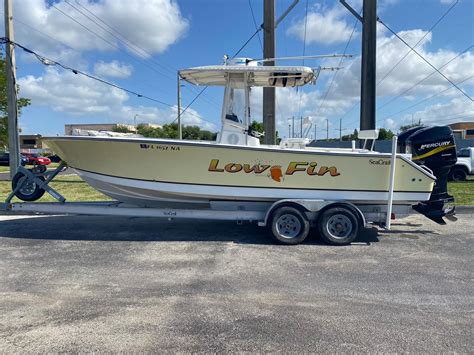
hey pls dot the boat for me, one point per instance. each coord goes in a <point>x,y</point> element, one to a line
<point>149,172</point>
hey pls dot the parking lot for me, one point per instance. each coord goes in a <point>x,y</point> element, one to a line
<point>71,283</point>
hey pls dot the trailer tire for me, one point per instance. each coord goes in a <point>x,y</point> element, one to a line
<point>338,226</point>
<point>29,192</point>
<point>289,225</point>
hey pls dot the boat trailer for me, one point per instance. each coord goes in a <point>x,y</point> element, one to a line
<point>289,220</point>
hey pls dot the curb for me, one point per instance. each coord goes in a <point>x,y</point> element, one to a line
<point>469,209</point>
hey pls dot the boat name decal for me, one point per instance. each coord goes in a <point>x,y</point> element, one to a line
<point>379,162</point>
<point>159,147</point>
<point>275,172</point>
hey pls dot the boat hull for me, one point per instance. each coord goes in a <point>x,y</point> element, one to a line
<point>149,172</point>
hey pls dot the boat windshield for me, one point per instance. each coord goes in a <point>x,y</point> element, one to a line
<point>236,108</point>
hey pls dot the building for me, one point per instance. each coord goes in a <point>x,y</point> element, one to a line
<point>30,141</point>
<point>463,130</point>
<point>69,128</point>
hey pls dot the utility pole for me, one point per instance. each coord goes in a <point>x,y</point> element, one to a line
<point>327,130</point>
<point>315,131</point>
<point>180,131</point>
<point>269,52</point>
<point>368,66</point>
<point>13,138</point>
<point>301,127</point>
<point>340,130</point>
<point>369,47</point>
<point>293,128</point>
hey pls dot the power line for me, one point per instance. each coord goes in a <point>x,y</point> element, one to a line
<point>235,54</point>
<point>424,59</point>
<point>47,61</point>
<point>113,44</point>
<point>419,41</point>
<point>135,46</point>
<point>403,58</point>
<point>335,73</point>
<point>304,52</point>
<point>153,86</point>
<point>256,26</point>
<point>425,78</point>
<point>424,100</point>
<point>164,65</point>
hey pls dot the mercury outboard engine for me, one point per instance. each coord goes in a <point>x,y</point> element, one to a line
<point>433,148</point>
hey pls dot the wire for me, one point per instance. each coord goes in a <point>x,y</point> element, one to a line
<point>425,99</point>
<point>419,41</point>
<point>305,26</point>
<point>133,46</point>
<point>153,86</point>
<point>235,54</point>
<point>47,61</point>
<point>403,58</point>
<point>425,78</point>
<point>255,23</point>
<point>163,65</point>
<point>114,45</point>
<point>425,60</point>
<point>335,73</point>
<point>304,52</point>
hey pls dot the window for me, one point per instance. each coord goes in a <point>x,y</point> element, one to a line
<point>470,132</point>
<point>463,153</point>
<point>236,109</point>
<point>29,141</point>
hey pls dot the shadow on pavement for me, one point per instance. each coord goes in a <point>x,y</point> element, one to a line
<point>100,228</point>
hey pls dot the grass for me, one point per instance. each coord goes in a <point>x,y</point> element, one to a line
<point>463,192</point>
<point>73,188</point>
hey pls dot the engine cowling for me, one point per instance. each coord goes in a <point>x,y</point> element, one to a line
<point>434,148</point>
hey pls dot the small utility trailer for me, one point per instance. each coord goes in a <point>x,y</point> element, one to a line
<point>289,220</point>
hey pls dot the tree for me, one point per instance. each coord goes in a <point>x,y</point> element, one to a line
<point>22,102</point>
<point>351,137</point>
<point>122,129</point>
<point>408,126</point>
<point>258,127</point>
<point>171,131</point>
<point>385,135</point>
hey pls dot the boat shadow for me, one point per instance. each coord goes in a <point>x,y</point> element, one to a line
<point>134,229</point>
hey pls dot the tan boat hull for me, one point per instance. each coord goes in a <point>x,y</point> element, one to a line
<point>149,171</point>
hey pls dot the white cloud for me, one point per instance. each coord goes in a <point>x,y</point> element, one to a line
<point>113,69</point>
<point>345,92</point>
<point>153,25</point>
<point>326,27</point>
<point>456,110</point>
<point>80,96</point>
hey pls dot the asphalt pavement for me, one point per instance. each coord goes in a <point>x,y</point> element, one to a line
<point>83,284</point>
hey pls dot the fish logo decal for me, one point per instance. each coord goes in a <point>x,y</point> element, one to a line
<point>276,173</point>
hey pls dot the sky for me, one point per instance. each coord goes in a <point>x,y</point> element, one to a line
<point>140,45</point>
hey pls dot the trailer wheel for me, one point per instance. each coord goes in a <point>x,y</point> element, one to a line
<point>338,226</point>
<point>289,225</point>
<point>29,191</point>
<point>458,174</point>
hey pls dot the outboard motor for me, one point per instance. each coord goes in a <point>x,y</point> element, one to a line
<point>435,149</point>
